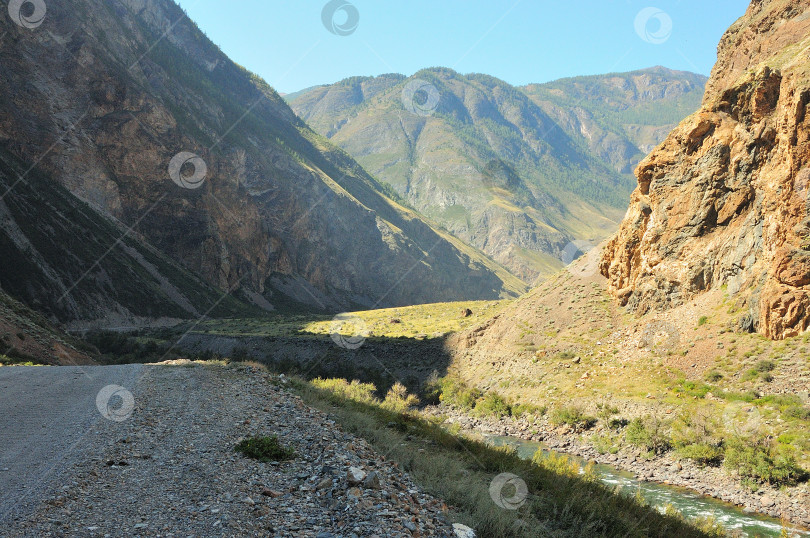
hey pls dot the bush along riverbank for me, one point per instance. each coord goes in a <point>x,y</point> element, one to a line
<point>746,468</point>
<point>491,490</point>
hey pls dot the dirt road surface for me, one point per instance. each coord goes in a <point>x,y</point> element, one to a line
<point>148,450</point>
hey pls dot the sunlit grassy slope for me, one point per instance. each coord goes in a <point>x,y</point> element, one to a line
<point>419,321</point>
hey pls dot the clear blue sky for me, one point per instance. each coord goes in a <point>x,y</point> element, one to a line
<point>519,41</point>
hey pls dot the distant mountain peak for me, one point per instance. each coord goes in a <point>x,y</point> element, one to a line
<point>437,136</point>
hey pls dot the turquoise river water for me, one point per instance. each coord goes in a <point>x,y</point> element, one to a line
<point>689,503</point>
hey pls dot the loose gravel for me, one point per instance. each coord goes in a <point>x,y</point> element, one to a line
<point>170,469</point>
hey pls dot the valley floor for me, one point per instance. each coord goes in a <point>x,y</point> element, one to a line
<point>170,468</point>
<point>685,384</point>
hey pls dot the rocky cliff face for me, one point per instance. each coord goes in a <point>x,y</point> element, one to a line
<point>102,96</point>
<point>723,201</point>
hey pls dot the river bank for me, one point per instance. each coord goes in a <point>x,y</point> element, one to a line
<point>789,504</point>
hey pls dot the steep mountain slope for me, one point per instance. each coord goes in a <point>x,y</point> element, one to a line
<point>476,155</point>
<point>621,117</point>
<point>26,336</point>
<point>115,100</point>
<point>722,203</point>
<point>69,263</point>
<point>520,178</point>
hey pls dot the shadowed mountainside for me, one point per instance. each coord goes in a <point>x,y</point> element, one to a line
<point>104,95</point>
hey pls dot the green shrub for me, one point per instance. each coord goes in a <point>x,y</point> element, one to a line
<point>648,435</point>
<point>617,423</point>
<point>398,399</point>
<point>702,320</point>
<point>636,433</point>
<point>563,465</point>
<point>748,396</point>
<point>604,444</point>
<point>493,404</point>
<point>605,411</point>
<point>264,449</point>
<point>528,410</point>
<point>751,374</point>
<point>786,438</point>
<point>714,376</point>
<point>357,391</point>
<point>798,412</point>
<point>782,400</point>
<point>710,526</point>
<point>572,416</point>
<point>692,388</point>
<point>758,461</point>
<point>695,430</point>
<point>456,393</point>
<point>765,366</point>
<point>702,454</point>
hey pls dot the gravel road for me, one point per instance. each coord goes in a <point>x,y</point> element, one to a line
<point>45,414</point>
<point>165,465</point>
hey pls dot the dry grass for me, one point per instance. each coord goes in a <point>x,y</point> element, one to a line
<point>460,470</point>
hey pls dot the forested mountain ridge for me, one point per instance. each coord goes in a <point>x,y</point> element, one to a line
<point>517,172</point>
<point>621,116</point>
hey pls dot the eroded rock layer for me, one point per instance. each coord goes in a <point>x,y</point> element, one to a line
<point>723,201</point>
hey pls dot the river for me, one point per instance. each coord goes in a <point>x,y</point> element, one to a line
<point>689,503</point>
